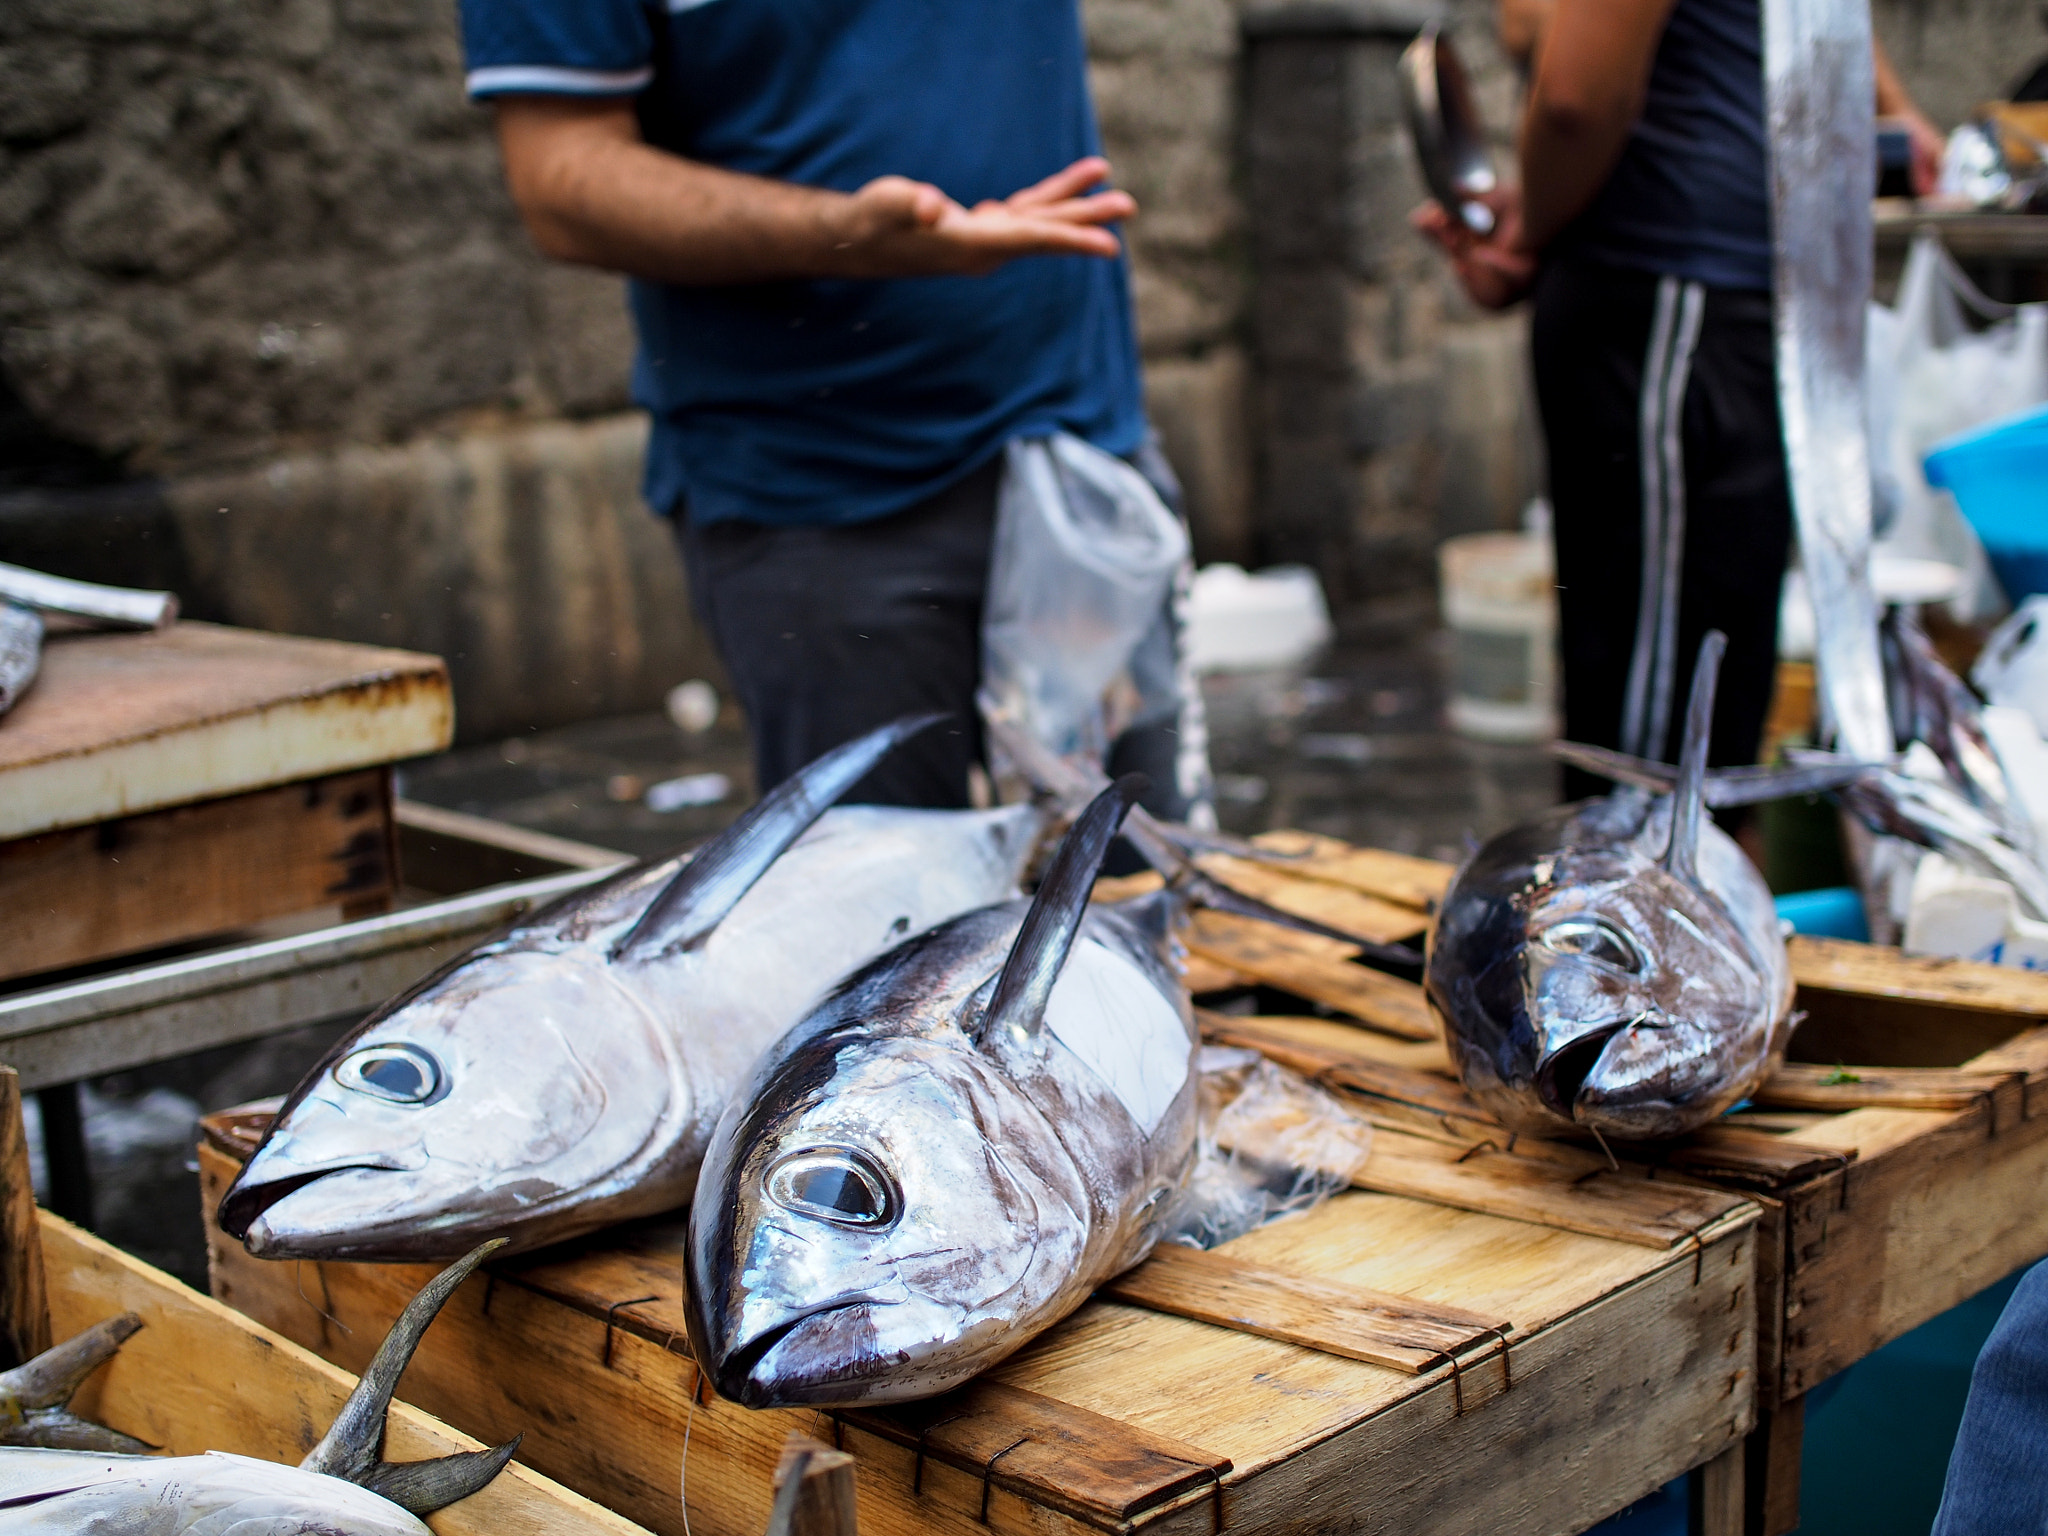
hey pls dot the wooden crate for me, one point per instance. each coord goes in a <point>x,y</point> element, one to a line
<point>1620,1362</point>
<point>157,788</point>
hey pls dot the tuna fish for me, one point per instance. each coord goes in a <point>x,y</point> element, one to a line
<point>1616,966</point>
<point>35,1399</point>
<point>567,1074</point>
<point>341,1489</point>
<point>21,651</point>
<point>953,1151</point>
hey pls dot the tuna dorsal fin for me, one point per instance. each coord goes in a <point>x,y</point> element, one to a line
<point>1025,985</point>
<point>725,869</point>
<point>1688,795</point>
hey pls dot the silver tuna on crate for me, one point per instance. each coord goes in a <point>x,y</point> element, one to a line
<point>953,1151</point>
<point>343,1488</point>
<point>1617,966</point>
<point>567,1074</point>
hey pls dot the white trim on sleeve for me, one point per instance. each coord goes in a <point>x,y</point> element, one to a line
<point>556,80</point>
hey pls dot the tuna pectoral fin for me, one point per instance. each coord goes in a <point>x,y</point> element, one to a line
<point>59,1429</point>
<point>725,869</point>
<point>1813,773</point>
<point>49,1380</point>
<point>1050,926</point>
<point>1168,848</point>
<point>351,1447</point>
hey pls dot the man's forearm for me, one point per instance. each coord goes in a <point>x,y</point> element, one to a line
<point>592,196</point>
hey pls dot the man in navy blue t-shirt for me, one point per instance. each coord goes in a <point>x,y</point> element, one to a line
<point>869,245</point>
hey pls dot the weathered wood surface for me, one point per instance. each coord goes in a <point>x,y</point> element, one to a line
<point>1626,1366</point>
<point>1868,1004</point>
<point>1314,968</point>
<point>200,1377</point>
<point>118,724</point>
<point>139,882</point>
<point>813,1491</point>
<point>1396,877</point>
<point>24,1297</point>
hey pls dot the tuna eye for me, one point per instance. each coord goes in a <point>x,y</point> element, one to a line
<point>404,1074</point>
<point>834,1184</point>
<point>1593,939</point>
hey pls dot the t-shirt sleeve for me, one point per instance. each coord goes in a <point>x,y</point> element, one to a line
<point>556,47</point>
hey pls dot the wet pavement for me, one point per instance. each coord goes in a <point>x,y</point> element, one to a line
<point>1354,747</point>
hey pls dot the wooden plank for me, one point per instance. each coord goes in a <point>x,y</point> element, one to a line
<point>1771,1473</point>
<point>118,724</point>
<point>813,1491</point>
<point>1342,1035</point>
<point>1808,1085</point>
<point>24,1300</point>
<point>447,852</point>
<point>1717,1495</point>
<point>1399,1332</point>
<point>1868,1004</point>
<point>162,877</point>
<point>1599,1203</point>
<point>1638,1361</point>
<point>1351,911</point>
<point>1313,968</point>
<point>200,1377</point>
<point>1752,1160</point>
<point>1396,877</point>
<point>1343,1066</point>
<point>1204,976</point>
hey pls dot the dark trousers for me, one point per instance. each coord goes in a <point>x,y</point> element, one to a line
<point>1668,491</point>
<point>831,630</point>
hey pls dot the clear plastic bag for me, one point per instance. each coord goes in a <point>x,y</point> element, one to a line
<point>1945,372</point>
<point>1270,1144</point>
<point>1086,554</point>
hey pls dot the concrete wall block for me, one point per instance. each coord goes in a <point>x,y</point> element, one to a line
<point>1491,437</point>
<point>586,340</point>
<point>1302,319</point>
<point>1201,408</point>
<point>524,557</point>
<point>92,378</point>
<point>1181,30</point>
<point>1955,55</point>
<point>1397,409</point>
<point>142,219</point>
<point>45,87</point>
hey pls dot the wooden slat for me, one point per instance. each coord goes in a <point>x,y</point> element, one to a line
<point>1749,1159</point>
<point>446,852</point>
<point>120,724</point>
<point>1621,1206</point>
<point>1348,1069</point>
<point>1808,1085</point>
<point>24,1302</point>
<point>1771,1474</point>
<point>1399,1332</point>
<point>822,1502</point>
<point>1351,911</point>
<point>140,882</point>
<point>1055,1454</point>
<point>1866,1003</point>
<point>1397,877</point>
<point>200,1377</point>
<point>1313,968</point>
<point>1203,976</point>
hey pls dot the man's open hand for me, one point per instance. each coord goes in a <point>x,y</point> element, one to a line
<point>896,227</point>
<point>1494,269</point>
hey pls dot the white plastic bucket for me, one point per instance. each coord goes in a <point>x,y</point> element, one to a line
<point>1499,597</point>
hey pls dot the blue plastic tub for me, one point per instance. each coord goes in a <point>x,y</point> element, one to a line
<point>1998,475</point>
<point>1833,913</point>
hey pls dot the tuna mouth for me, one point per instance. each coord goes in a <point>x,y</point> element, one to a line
<point>1561,1074</point>
<point>245,1202</point>
<point>736,1378</point>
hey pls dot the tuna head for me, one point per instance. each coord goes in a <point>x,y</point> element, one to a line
<point>872,1220</point>
<point>506,1097</point>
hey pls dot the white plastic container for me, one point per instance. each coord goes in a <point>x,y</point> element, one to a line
<point>1240,622</point>
<point>1956,913</point>
<point>1499,597</point>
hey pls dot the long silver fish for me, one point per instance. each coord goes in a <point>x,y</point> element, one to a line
<point>567,1074</point>
<point>342,1489</point>
<point>35,1398</point>
<point>21,651</point>
<point>950,1153</point>
<point>1615,966</point>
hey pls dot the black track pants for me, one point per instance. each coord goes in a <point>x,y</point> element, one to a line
<point>1672,516</point>
<point>831,630</point>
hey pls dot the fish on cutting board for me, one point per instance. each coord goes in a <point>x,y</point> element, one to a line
<point>343,1488</point>
<point>953,1151</point>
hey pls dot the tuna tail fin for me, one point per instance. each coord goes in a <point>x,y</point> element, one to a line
<point>1688,796</point>
<point>1813,773</point>
<point>352,1447</point>
<point>43,1388</point>
<point>1166,847</point>
<point>725,869</point>
<point>1054,920</point>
